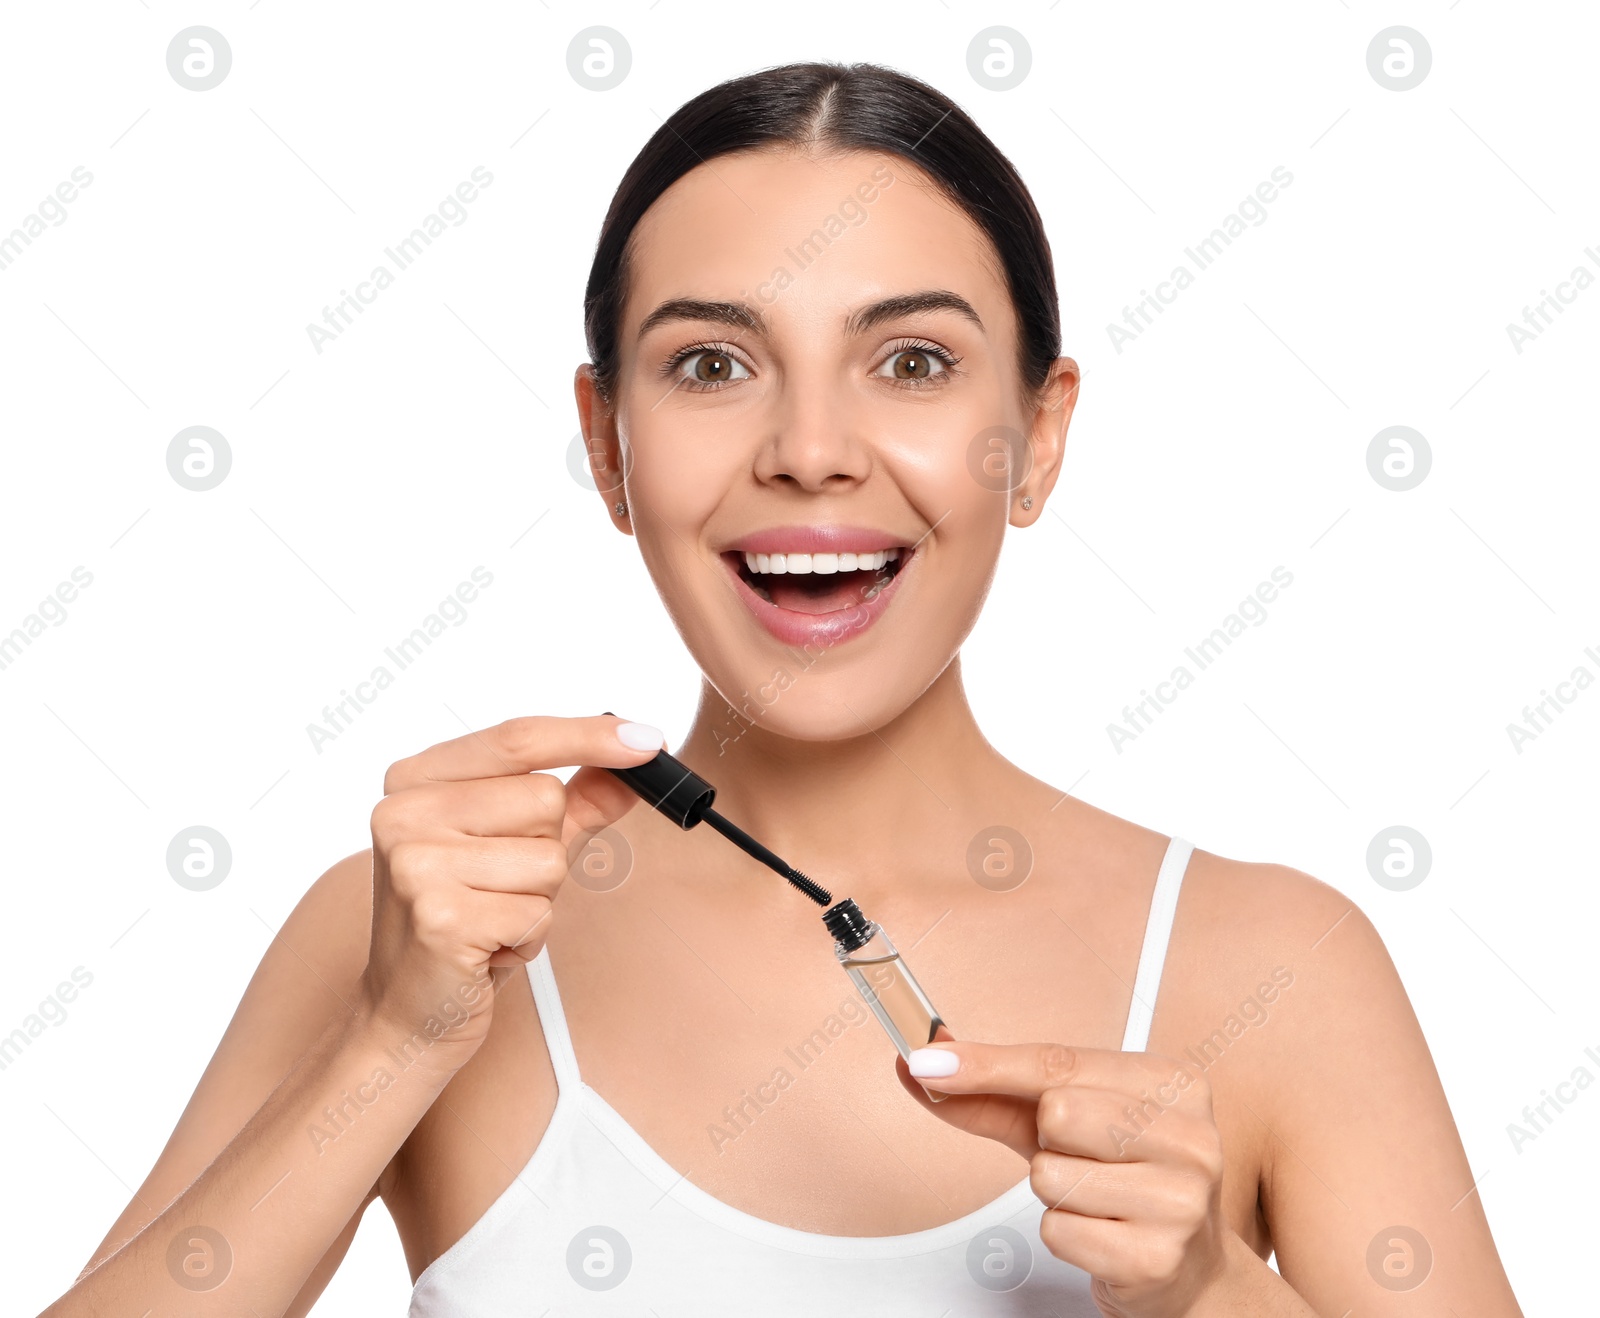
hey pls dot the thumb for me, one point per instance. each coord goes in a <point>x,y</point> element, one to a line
<point>595,798</point>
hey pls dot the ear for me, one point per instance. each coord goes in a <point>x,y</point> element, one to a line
<point>607,456</point>
<point>1047,441</point>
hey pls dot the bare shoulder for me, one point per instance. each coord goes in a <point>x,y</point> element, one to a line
<point>1267,956</point>
<point>1314,960</point>
<point>1235,910</point>
<point>1243,909</point>
<point>1299,1014</point>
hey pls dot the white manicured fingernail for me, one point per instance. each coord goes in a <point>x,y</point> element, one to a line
<point>640,736</point>
<point>928,1062</point>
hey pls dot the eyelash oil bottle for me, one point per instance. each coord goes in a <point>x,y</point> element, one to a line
<point>886,983</point>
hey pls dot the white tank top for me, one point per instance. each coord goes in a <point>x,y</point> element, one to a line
<point>598,1223</point>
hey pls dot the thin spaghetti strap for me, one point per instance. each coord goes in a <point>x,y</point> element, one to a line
<point>1153,955</point>
<point>553,1021</point>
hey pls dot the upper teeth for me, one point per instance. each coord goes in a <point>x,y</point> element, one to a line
<point>819,562</point>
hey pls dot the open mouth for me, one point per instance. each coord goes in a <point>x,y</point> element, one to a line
<point>818,583</point>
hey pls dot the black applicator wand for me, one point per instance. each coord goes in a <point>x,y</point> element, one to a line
<point>685,798</point>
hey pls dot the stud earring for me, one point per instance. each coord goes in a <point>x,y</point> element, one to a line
<point>1027,501</point>
<point>622,510</point>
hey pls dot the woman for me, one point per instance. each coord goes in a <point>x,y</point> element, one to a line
<point>825,379</point>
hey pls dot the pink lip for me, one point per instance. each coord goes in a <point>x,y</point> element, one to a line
<point>817,630</point>
<point>817,540</point>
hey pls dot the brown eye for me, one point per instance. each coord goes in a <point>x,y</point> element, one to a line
<point>913,365</point>
<point>706,368</point>
<point>713,367</point>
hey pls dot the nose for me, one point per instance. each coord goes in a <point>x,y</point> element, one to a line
<point>814,446</point>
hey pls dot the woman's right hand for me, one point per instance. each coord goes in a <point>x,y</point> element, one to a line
<point>469,847</point>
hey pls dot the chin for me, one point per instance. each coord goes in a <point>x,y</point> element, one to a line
<point>832,695</point>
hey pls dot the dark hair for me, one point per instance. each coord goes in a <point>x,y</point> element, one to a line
<point>836,107</point>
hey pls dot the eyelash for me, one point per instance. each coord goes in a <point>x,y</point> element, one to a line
<point>948,359</point>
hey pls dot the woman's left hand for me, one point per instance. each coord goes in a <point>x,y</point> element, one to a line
<point>1125,1155</point>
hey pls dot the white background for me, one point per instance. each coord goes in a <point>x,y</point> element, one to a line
<point>369,479</point>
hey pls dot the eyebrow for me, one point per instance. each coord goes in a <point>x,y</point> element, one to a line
<point>741,315</point>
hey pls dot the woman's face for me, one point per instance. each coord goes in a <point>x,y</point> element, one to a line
<point>818,365</point>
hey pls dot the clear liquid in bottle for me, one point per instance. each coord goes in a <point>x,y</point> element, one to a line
<point>885,982</point>
<point>895,996</point>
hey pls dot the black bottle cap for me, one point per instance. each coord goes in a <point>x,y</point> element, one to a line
<point>849,927</point>
<point>672,787</point>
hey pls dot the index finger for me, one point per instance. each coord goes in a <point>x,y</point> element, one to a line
<point>1026,1070</point>
<point>524,745</point>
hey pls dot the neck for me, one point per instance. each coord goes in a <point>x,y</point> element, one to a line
<point>846,807</point>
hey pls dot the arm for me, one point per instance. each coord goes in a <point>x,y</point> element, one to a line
<point>342,1030</point>
<point>1366,1187</point>
<point>293,1044</point>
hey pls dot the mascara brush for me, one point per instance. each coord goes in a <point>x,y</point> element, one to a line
<point>750,846</point>
<point>684,797</point>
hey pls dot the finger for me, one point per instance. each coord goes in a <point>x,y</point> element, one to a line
<point>595,799</point>
<point>528,866</point>
<point>521,805</point>
<point>1008,1121</point>
<point>523,745</point>
<point>941,1034</point>
<point>1113,1126</point>
<point>1098,1189</point>
<point>1021,1070</point>
<point>1105,1248</point>
<point>509,921</point>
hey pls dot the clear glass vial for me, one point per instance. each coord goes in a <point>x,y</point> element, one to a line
<point>885,982</point>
